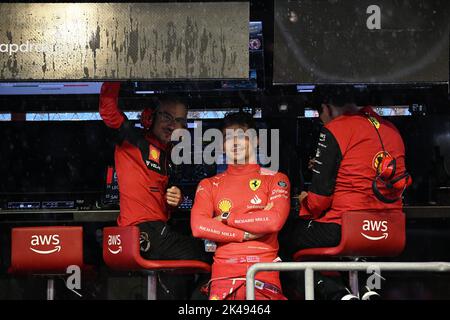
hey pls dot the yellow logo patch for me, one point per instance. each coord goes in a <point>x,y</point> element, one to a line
<point>254,184</point>
<point>378,158</point>
<point>374,122</point>
<point>225,205</point>
<point>154,154</point>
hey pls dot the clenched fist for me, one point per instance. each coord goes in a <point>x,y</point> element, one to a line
<point>302,196</point>
<point>173,196</point>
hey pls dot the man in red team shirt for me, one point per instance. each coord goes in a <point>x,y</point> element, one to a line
<point>142,165</point>
<point>242,210</point>
<point>351,145</point>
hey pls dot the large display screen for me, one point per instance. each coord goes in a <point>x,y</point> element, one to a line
<point>361,41</point>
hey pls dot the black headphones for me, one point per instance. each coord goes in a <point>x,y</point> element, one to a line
<point>385,171</point>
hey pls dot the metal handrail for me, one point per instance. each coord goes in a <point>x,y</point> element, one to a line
<point>310,267</point>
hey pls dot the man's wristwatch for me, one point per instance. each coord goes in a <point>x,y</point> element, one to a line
<point>246,236</point>
<point>224,216</point>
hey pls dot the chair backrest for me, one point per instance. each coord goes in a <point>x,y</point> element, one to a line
<point>46,249</point>
<point>121,249</point>
<point>372,234</point>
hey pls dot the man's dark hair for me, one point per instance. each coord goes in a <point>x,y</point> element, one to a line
<point>338,95</point>
<point>241,118</point>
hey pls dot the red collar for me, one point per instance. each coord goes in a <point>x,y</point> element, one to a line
<point>242,169</point>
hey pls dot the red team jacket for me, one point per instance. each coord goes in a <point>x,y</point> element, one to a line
<point>244,191</point>
<point>345,166</point>
<point>141,164</point>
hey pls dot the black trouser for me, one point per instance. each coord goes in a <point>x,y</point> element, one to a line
<point>159,242</point>
<point>300,234</point>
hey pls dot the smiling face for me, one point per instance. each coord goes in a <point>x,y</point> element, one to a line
<point>239,144</point>
<point>168,117</point>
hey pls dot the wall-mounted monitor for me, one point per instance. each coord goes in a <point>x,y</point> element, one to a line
<point>361,41</point>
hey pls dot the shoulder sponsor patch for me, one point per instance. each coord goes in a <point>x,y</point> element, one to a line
<point>282,184</point>
<point>279,191</point>
<point>322,137</point>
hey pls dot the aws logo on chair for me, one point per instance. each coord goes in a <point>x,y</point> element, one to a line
<point>375,230</point>
<point>45,244</point>
<point>114,243</point>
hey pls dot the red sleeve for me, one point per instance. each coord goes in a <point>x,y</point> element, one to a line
<point>109,109</point>
<point>267,221</point>
<point>202,223</point>
<point>314,205</point>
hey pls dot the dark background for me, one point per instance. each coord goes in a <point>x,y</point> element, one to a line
<point>61,160</point>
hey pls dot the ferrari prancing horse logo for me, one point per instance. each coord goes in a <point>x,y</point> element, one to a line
<point>254,184</point>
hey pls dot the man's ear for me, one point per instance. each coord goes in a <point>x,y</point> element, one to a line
<point>147,117</point>
<point>330,111</point>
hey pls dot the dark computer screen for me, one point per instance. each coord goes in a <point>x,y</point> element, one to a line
<point>354,41</point>
<point>53,158</point>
